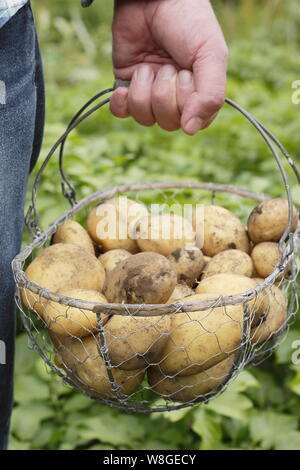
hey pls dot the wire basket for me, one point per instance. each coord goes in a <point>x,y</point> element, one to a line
<point>147,381</point>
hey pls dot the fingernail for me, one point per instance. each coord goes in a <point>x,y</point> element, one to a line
<point>194,125</point>
<point>185,78</point>
<point>166,72</point>
<point>144,73</point>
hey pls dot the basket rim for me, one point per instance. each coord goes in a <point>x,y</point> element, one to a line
<point>22,281</point>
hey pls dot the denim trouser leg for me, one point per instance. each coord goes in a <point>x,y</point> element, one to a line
<point>21,129</point>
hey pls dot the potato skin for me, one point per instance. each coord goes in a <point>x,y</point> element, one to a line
<point>81,359</point>
<point>225,284</point>
<point>135,342</point>
<point>222,231</point>
<point>111,258</point>
<point>121,213</point>
<point>72,232</point>
<point>207,259</point>
<point>276,308</point>
<point>268,220</point>
<point>232,284</point>
<point>70,321</point>
<point>188,263</point>
<point>142,278</point>
<point>266,256</point>
<point>189,388</point>
<point>229,261</point>
<point>180,291</point>
<point>199,340</point>
<point>164,233</point>
<point>60,266</point>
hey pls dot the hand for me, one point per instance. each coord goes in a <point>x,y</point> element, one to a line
<point>175,55</point>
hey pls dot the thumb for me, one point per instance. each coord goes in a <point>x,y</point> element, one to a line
<point>209,70</point>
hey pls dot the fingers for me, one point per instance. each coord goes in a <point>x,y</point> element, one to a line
<point>201,106</point>
<point>139,95</point>
<point>185,87</point>
<point>136,101</point>
<point>164,98</point>
<point>118,103</point>
<point>151,98</point>
<point>190,100</point>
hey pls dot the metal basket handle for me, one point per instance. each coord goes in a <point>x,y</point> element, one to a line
<point>68,190</point>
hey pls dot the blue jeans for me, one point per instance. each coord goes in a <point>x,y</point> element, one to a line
<point>21,130</point>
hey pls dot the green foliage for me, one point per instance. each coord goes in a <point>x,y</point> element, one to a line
<point>268,428</point>
<point>254,412</point>
<point>261,409</point>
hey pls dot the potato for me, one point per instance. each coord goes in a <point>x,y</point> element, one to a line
<point>81,359</point>
<point>268,221</point>
<point>111,224</point>
<point>276,316</point>
<point>265,257</point>
<point>229,261</point>
<point>72,232</point>
<point>111,258</point>
<point>134,342</point>
<point>188,263</point>
<point>70,321</point>
<point>254,274</point>
<point>142,278</point>
<point>199,340</point>
<point>180,291</point>
<point>232,284</point>
<point>222,231</point>
<point>191,387</point>
<point>164,233</point>
<point>225,284</point>
<point>62,266</point>
<point>206,259</point>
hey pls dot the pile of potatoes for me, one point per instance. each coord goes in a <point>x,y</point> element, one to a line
<point>185,354</point>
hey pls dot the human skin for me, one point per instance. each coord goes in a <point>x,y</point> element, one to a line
<point>175,55</point>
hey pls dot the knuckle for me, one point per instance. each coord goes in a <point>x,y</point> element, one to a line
<point>220,51</point>
<point>159,95</point>
<point>213,102</point>
<point>139,108</point>
<point>137,102</point>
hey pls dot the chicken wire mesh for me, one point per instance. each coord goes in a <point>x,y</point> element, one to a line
<point>156,357</point>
